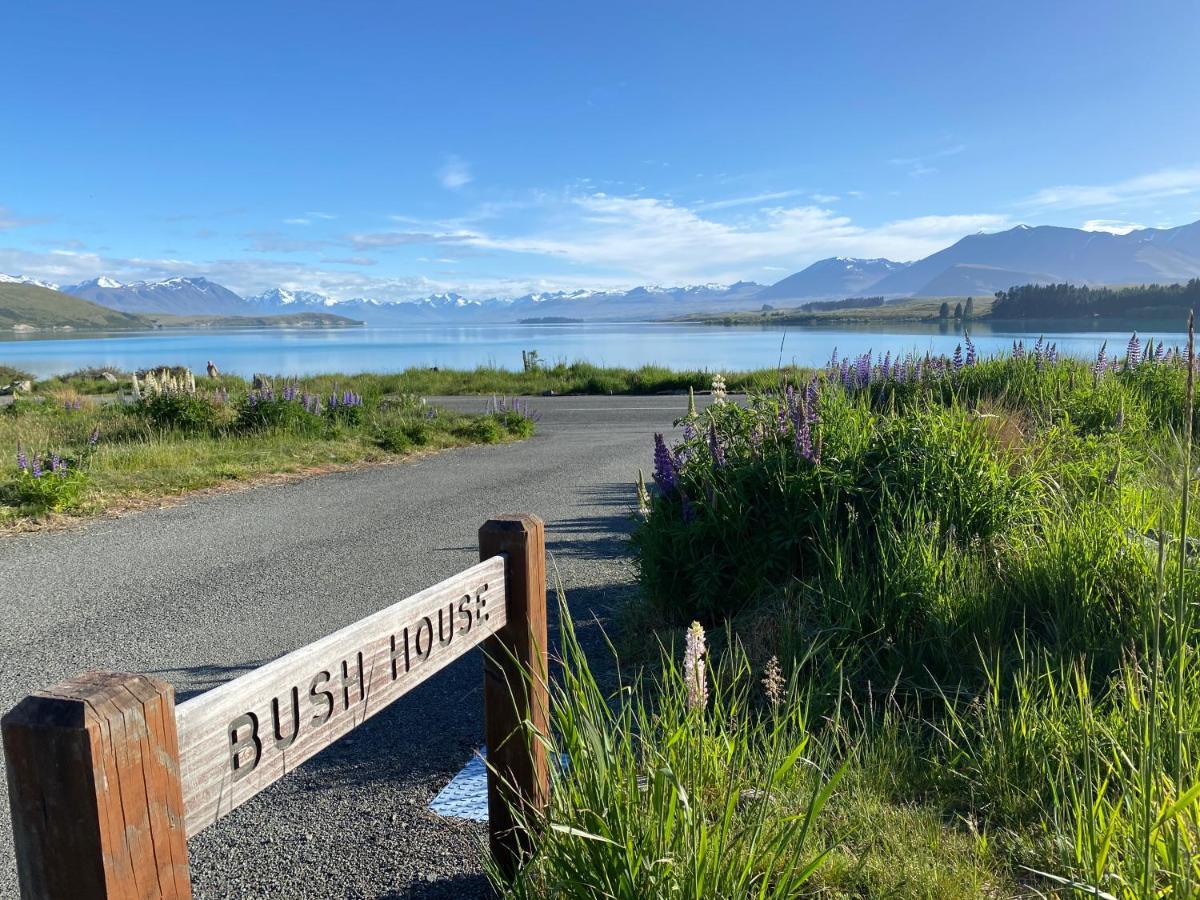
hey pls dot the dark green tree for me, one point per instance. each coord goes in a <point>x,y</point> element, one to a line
<point>958,311</point>
<point>969,309</point>
<point>944,310</point>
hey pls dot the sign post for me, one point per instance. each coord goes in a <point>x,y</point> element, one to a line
<point>107,779</point>
<point>515,687</point>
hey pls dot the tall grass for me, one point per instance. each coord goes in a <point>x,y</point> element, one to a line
<point>987,546</point>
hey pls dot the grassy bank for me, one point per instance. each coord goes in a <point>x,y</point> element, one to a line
<point>73,455</point>
<point>916,309</point>
<point>955,631</point>
<point>561,378</point>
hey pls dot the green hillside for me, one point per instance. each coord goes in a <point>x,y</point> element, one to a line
<point>24,306</point>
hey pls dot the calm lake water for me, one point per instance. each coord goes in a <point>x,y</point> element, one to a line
<point>303,351</point>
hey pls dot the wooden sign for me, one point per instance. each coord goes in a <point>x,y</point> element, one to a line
<point>107,777</point>
<point>240,737</point>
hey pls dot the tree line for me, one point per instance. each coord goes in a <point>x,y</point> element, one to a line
<point>1057,301</point>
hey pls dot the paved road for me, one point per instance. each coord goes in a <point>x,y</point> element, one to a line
<point>219,584</point>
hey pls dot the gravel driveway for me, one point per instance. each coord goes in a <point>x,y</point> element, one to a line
<point>203,591</point>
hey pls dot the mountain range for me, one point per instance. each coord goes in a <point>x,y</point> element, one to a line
<point>976,264</point>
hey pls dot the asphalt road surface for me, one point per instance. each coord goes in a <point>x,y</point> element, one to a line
<point>203,591</point>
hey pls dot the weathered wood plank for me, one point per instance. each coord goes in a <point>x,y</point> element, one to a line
<point>240,737</point>
<point>92,778</point>
<point>515,688</point>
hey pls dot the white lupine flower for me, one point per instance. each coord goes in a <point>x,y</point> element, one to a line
<point>718,388</point>
<point>693,667</point>
<point>643,496</point>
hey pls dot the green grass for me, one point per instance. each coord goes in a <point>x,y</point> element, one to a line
<point>916,309</point>
<point>993,668</point>
<point>184,443</point>
<point>561,378</point>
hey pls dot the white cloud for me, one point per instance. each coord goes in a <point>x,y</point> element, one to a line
<point>1112,226</point>
<point>297,221</point>
<point>1152,186</point>
<point>825,198</point>
<point>747,201</point>
<point>655,240</point>
<point>454,173</point>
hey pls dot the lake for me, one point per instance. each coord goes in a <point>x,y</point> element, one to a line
<point>305,351</point>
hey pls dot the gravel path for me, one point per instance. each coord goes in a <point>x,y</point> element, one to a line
<point>201,592</point>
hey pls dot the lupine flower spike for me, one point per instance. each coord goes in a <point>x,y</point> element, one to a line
<point>693,668</point>
<point>773,683</point>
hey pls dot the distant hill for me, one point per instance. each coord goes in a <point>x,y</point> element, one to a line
<point>174,296</point>
<point>30,306</point>
<point>968,279</point>
<point>294,320</point>
<point>838,276</point>
<point>1050,254</point>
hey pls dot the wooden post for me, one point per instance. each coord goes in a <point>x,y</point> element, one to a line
<point>515,685</point>
<point>93,786</point>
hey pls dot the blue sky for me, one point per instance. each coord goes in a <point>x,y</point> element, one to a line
<point>387,150</point>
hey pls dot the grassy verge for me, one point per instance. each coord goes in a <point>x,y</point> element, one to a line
<point>562,378</point>
<point>956,617</point>
<point>76,456</point>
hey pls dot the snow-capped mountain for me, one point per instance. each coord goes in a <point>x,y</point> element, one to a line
<point>641,303</point>
<point>833,278</point>
<point>282,299</point>
<point>175,296</point>
<point>25,279</point>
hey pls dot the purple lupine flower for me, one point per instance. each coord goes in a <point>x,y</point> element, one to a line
<point>833,360</point>
<point>756,440</point>
<point>1133,351</point>
<point>689,432</point>
<point>1158,352</point>
<point>1039,352</point>
<point>813,401</point>
<point>970,360</point>
<point>1018,350</point>
<point>885,367</point>
<point>1148,352</point>
<point>22,459</point>
<point>665,475</point>
<point>94,436</point>
<point>958,357</point>
<point>35,467</point>
<point>714,445</point>
<point>845,373</point>
<point>1101,359</point>
<point>864,369</point>
<point>804,441</point>
<point>1052,353</point>
<point>57,466</point>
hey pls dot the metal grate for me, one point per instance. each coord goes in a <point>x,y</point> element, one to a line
<point>465,797</point>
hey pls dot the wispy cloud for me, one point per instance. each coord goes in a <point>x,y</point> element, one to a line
<point>919,166</point>
<point>825,198</point>
<point>1112,226</point>
<point>1151,186</point>
<point>655,240</point>
<point>369,240</point>
<point>747,201</point>
<point>9,219</point>
<point>454,173</point>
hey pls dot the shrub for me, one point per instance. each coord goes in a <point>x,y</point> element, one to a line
<point>179,411</point>
<point>49,485</point>
<point>287,411</point>
<point>402,438</point>
<point>9,374</point>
